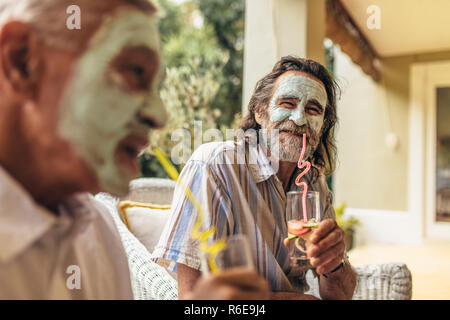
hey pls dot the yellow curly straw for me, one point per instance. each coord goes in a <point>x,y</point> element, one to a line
<point>211,250</point>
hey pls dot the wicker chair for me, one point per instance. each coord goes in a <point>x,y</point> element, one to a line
<point>149,280</point>
<point>390,281</point>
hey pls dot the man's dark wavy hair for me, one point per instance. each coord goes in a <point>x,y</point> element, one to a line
<point>325,154</point>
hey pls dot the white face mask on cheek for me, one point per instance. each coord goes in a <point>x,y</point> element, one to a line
<point>97,111</point>
<point>304,89</point>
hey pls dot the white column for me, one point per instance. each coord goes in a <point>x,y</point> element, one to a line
<point>275,28</point>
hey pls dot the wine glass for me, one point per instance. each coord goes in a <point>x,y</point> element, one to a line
<point>303,218</point>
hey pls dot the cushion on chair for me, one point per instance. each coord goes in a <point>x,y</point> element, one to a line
<point>151,190</point>
<point>145,220</point>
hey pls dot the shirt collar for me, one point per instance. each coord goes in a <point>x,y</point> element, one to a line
<point>23,221</point>
<point>258,163</point>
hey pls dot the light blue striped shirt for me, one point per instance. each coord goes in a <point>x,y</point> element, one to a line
<point>239,196</point>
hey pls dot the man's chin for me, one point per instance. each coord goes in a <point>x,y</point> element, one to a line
<point>117,184</point>
<point>117,176</point>
<point>289,134</point>
<point>289,158</point>
<point>290,149</point>
<point>115,190</point>
<point>286,154</point>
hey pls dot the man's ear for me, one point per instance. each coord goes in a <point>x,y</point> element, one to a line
<point>20,58</point>
<point>259,116</point>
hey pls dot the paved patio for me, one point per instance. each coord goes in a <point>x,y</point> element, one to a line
<point>429,265</point>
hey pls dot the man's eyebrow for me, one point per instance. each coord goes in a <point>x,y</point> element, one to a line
<point>316,103</point>
<point>288,97</point>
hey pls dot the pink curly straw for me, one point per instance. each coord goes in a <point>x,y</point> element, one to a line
<point>301,165</point>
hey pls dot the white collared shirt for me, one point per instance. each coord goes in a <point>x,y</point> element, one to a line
<point>76,254</point>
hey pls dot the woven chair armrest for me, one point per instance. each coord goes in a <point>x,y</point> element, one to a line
<point>387,281</point>
<point>149,280</point>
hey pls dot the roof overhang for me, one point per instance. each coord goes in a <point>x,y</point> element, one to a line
<point>405,27</point>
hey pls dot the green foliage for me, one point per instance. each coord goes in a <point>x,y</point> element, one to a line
<point>347,224</point>
<point>187,93</point>
<point>227,17</point>
<point>200,82</point>
<point>170,19</point>
<point>194,44</point>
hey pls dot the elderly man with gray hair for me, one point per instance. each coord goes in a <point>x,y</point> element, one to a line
<point>75,110</point>
<point>245,185</point>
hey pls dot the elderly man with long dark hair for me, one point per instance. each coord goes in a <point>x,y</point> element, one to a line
<point>244,186</point>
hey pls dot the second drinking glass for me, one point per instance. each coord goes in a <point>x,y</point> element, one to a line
<point>236,254</point>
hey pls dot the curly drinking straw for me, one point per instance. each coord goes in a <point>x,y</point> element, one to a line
<point>210,249</point>
<point>301,165</point>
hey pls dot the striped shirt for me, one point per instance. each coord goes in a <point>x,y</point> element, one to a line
<point>238,197</point>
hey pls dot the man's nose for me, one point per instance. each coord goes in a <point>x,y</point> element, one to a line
<point>154,113</point>
<point>297,116</point>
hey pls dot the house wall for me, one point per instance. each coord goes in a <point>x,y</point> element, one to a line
<point>372,175</point>
<point>278,28</point>
<point>373,136</point>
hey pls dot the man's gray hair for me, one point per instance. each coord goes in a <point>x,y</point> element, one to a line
<point>48,17</point>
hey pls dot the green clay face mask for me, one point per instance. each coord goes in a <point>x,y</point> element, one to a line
<point>98,111</point>
<point>304,89</point>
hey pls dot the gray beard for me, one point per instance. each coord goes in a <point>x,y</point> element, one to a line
<point>290,148</point>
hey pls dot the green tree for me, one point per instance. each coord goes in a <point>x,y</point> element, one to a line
<point>194,67</point>
<point>227,17</point>
<point>170,19</point>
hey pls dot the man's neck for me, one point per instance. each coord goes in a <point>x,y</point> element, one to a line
<point>285,171</point>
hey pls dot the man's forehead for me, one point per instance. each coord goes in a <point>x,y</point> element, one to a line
<point>125,34</point>
<point>96,14</point>
<point>124,28</point>
<point>126,17</point>
<point>289,74</point>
